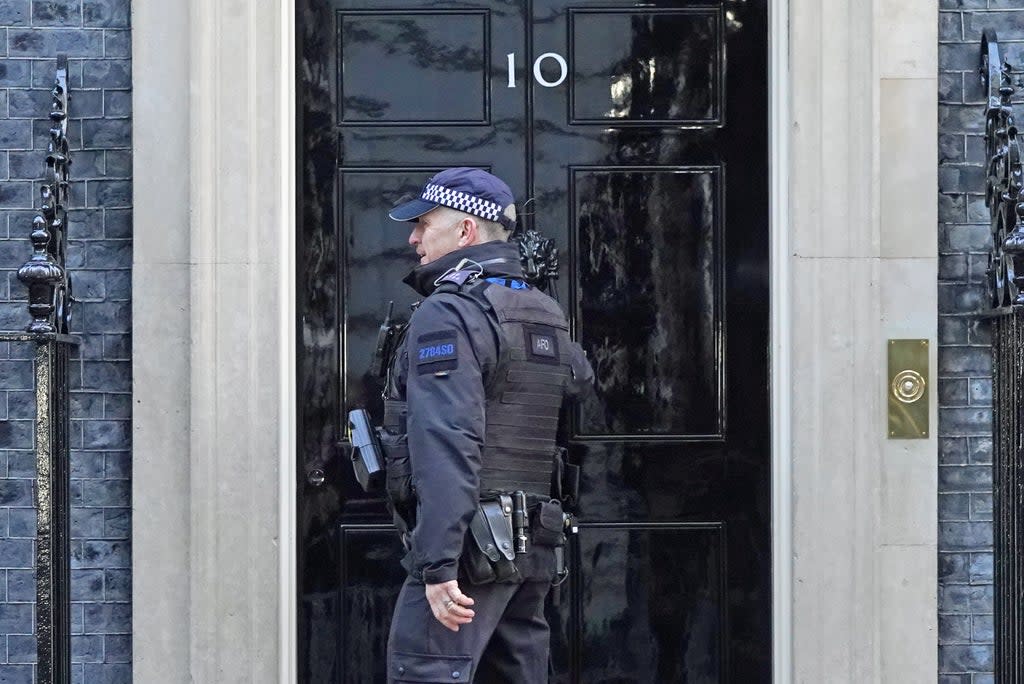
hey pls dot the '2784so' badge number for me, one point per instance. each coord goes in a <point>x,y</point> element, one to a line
<point>437,352</point>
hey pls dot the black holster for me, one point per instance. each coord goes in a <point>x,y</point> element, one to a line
<point>488,554</point>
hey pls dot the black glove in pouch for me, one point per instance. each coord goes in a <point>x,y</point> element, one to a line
<point>548,524</point>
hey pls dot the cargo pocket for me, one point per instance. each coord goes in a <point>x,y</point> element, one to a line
<point>432,669</point>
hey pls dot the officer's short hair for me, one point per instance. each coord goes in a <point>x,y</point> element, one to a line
<point>489,230</point>
<point>493,230</point>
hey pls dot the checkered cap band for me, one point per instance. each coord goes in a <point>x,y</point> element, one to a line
<point>456,199</point>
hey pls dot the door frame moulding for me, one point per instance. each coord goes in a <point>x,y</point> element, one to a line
<point>213,391</point>
<point>288,411</point>
<point>780,340</point>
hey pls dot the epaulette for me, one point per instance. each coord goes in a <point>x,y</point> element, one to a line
<point>466,283</point>
<point>456,279</point>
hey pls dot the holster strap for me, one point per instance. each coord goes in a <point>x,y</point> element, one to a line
<point>498,516</point>
<point>481,532</point>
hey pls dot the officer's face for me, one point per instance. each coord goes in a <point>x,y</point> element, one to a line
<point>437,233</point>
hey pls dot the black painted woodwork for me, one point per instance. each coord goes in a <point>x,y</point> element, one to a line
<point>648,167</point>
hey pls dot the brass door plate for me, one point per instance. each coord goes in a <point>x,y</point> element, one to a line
<point>907,389</point>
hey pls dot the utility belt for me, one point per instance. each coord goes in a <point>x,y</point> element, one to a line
<point>504,528</point>
<point>505,524</point>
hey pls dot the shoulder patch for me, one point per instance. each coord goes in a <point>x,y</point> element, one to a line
<point>436,352</point>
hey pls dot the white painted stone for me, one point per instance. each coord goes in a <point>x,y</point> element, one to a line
<point>160,102</point>
<point>848,297</point>
<point>909,503</point>
<point>905,311</point>
<point>835,380</point>
<point>908,39</point>
<point>909,576</point>
<point>161,346</point>
<point>835,140</point>
<point>160,470</point>
<point>781,353</point>
<point>209,343</point>
<point>909,179</point>
<point>909,485</point>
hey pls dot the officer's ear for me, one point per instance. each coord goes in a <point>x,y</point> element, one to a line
<point>468,232</point>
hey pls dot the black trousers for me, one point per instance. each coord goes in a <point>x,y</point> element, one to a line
<point>507,641</point>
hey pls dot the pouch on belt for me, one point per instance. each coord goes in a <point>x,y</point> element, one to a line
<point>488,555</point>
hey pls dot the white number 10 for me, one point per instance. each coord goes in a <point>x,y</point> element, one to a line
<point>536,69</point>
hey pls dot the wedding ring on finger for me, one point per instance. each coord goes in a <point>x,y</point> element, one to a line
<point>448,603</point>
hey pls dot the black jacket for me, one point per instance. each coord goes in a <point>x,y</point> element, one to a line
<point>451,348</point>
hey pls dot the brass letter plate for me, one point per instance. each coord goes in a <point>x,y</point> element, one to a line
<point>907,389</point>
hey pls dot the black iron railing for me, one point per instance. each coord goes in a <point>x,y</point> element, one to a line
<point>49,307</point>
<point>1004,196</point>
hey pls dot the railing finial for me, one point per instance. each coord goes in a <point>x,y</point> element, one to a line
<point>45,273</point>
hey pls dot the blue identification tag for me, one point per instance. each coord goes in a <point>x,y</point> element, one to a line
<point>437,351</point>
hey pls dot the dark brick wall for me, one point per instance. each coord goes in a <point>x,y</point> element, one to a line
<point>965,391</point>
<point>95,35</point>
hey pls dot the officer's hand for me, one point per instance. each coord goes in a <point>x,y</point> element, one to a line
<point>449,604</point>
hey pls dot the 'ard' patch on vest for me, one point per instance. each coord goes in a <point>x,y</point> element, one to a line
<point>541,343</point>
<point>436,352</point>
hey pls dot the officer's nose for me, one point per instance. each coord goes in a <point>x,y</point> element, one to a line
<point>414,237</point>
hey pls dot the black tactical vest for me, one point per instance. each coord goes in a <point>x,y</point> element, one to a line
<point>524,392</point>
<point>526,389</point>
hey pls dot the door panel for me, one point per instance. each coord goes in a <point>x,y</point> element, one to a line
<point>642,623</point>
<point>371,579</point>
<point>648,297</point>
<point>647,164</point>
<point>433,50</point>
<point>647,57</point>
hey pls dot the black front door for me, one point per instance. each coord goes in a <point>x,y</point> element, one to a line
<point>636,137</point>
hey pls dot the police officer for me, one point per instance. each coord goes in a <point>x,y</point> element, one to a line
<point>473,398</point>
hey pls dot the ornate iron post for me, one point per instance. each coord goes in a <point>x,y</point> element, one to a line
<point>49,291</point>
<point>1004,196</point>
